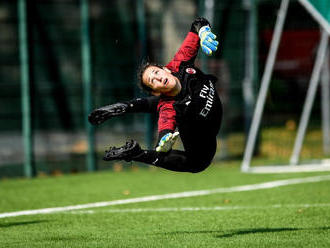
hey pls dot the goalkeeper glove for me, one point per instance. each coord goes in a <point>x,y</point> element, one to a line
<point>166,142</point>
<point>102,114</point>
<point>207,40</point>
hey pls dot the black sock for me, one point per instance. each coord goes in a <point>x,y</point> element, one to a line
<point>148,157</point>
<point>174,160</point>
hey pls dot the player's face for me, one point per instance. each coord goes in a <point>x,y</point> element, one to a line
<point>161,81</point>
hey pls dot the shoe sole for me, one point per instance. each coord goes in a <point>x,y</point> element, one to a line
<point>123,154</point>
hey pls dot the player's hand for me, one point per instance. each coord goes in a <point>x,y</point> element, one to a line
<point>207,40</point>
<point>167,141</point>
<point>102,114</point>
<point>198,23</point>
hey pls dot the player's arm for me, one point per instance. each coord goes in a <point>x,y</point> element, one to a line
<point>199,35</point>
<point>166,126</point>
<point>142,105</point>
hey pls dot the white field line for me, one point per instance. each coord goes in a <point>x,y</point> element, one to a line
<point>188,209</point>
<point>266,185</point>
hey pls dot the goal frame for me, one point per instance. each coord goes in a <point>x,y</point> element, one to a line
<point>320,67</point>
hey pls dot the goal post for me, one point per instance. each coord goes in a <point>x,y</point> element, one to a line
<point>320,10</point>
<point>264,86</point>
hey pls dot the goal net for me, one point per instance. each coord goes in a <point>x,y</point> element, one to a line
<point>320,11</point>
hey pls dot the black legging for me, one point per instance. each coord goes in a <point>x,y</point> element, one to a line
<point>185,161</point>
<point>199,141</point>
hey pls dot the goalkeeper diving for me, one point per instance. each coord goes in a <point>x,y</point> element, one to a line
<point>187,104</point>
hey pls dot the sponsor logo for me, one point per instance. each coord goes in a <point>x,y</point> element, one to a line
<point>207,92</point>
<point>191,70</point>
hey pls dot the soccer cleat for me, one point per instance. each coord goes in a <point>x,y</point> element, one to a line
<point>166,142</point>
<point>100,115</point>
<point>126,152</point>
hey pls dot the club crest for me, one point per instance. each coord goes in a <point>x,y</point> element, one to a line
<point>191,70</point>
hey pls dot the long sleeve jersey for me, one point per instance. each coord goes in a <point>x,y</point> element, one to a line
<point>186,53</point>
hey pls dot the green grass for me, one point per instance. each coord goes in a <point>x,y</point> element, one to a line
<point>276,145</point>
<point>274,217</point>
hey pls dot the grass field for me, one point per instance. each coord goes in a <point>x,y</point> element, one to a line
<point>294,215</point>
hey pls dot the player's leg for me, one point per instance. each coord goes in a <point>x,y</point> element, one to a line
<point>174,160</point>
<point>200,148</point>
<point>195,158</point>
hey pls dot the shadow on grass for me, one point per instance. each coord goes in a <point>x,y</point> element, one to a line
<point>232,233</point>
<point>268,230</point>
<point>257,230</point>
<point>22,223</point>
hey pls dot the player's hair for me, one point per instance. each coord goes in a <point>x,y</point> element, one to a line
<point>144,65</point>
